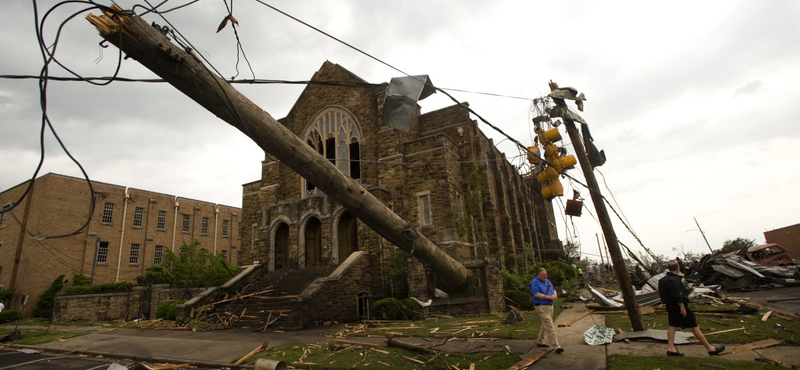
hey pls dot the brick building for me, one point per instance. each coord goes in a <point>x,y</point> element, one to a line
<point>788,237</point>
<point>444,176</point>
<point>129,231</point>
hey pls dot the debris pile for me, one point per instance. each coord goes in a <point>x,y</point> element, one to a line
<point>736,273</point>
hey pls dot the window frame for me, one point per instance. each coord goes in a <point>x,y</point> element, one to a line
<point>424,210</point>
<point>138,217</point>
<point>161,222</point>
<point>108,214</point>
<point>133,259</point>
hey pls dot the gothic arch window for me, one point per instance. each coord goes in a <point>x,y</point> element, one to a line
<point>335,134</point>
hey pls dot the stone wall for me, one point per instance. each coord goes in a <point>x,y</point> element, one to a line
<point>117,306</point>
<point>335,298</point>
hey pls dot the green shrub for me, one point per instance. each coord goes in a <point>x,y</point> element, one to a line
<point>168,310</point>
<point>559,272</point>
<point>46,302</point>
<point>393,309</point>
<point>6,295</point>
<point>522,298</point>
<point>118,287</point>
<point>9,316</point>
<point>81,280</point>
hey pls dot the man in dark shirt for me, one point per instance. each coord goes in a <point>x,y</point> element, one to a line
<point>670,288</point>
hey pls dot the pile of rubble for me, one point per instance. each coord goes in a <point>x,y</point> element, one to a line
<point>736,273</point>
<point>704,278</point>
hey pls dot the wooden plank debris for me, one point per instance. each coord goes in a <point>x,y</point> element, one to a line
<point>766,316</point>
<point>751,346</point>
<point>530,358</point>
<point>725,331</point>
<point>253,352</point>
<point>576,318</point>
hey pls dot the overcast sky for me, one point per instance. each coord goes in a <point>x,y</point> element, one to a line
<point>694,102</point>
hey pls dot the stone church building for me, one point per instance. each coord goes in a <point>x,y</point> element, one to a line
<point>444,176</point>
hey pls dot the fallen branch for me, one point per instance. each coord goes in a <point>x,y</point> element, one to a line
<point>391,342</point>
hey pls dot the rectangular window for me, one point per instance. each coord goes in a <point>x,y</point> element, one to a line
<point>225,228</point>
<point>186,221</point>
<point>204,226</point>
<point>162,220</point>
<point>138,216</point>
<point>158,256</point>
<point>224,254</point>
<point>424,209</point>
<point>134,260</point>
<point>108,213</point>
<point>102,253</point>
<point>4,216</point>
<point>239,231</point>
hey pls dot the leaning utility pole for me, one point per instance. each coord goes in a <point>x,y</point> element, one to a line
<point>703,234</point>
<point>188,74</point>
<point>628,294</point>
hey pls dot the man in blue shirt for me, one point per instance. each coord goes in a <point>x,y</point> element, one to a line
<point>544,296</point>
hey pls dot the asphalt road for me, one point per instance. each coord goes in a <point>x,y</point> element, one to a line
<point>783,299</point>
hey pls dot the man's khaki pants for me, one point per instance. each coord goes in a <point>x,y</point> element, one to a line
<point>545,313</point>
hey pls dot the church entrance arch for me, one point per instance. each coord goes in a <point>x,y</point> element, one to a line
<point>281,244</point>
<point>313,242</point>
<point>347,236</point>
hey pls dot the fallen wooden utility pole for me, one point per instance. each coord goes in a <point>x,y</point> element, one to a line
<point>188,74</point>
<point>628,294</point>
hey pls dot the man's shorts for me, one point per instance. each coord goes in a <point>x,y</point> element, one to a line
<point>677,320</point>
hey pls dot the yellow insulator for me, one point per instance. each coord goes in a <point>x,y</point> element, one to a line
<point>561,164</point>
<point>550,136</point>
<point>533,154</point>
<point>549,174</point>
<point>552,189</point>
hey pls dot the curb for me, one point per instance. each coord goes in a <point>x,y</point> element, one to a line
<point>136,358</point>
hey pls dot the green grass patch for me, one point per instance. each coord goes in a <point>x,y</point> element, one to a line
<point>37,336</point>
<point>754,330</point>
<point>620,362</point>
<point>487,326</point>
<point>321,357</point>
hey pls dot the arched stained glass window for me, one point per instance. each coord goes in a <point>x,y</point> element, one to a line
<point>335,134</point>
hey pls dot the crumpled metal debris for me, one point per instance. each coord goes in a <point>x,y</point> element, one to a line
<point>400,103</point>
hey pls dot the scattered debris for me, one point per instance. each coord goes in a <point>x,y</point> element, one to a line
<point>597,335</point>
<point>751,346</point>
<point>680,337</point>
<point>253,352</point>
<point>529,358</point>
<point>576,318</point>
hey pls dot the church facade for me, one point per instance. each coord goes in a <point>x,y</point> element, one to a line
<point>444,176</point>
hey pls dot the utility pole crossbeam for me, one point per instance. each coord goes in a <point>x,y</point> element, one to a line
<point>628,294</point>
<point>185,72</point>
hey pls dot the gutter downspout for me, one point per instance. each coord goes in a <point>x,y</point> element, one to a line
<point>216,224</point>
<point>175,224</point>
<point>122,233</point>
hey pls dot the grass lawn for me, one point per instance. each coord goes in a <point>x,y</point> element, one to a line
<point>37,336</point>
<point>488,326</point>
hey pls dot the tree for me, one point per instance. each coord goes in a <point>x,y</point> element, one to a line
<point>193,267</point>
<point>737,245</point>
<point>46,302</point>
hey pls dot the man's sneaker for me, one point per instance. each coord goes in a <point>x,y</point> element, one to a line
<point>559,350</point>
